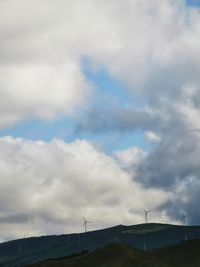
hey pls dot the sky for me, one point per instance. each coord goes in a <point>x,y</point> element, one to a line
<point>99,114</point>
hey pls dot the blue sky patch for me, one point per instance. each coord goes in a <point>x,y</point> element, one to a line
<point>193,2</point>
<point>108,92</point>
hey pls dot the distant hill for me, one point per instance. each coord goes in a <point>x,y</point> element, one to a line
<point>109,256</point>
<point>186,254</point>
<point>149,236</point>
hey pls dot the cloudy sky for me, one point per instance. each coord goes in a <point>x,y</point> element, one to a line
<point>99,114</point>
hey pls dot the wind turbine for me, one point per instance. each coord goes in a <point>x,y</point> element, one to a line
<point>85,224</point>
<point>146,214</point>
<point>183,217</point>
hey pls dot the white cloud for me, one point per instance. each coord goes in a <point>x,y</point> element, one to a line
<point>152,46</point>
<point>152,137</point>
<point>47,187</point>
<point>43,91</point>
<point>130,157</point>
<point>160,44</point>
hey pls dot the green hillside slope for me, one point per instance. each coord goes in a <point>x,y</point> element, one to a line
<point>184,255</point>
<point>112,255</point>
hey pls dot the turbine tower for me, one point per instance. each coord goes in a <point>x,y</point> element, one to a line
<point>85,224</point>
<point>146,214</point>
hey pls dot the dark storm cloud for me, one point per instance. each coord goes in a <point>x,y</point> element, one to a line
<point>185,200</point>
<point>174,159</point>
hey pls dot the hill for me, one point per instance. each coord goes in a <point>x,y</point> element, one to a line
<point>149,236</point>
<point>186,254</point>
<point>109,256</point>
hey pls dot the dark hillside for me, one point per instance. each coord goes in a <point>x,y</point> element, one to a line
<point>109,256</point>
<point>150,236</point>
<point>186,254</point>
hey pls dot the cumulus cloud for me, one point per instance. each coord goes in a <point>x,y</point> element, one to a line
<point>158,61</point>
<point>173,160</point>
<point>130,157</point>
<point>150,46</point>
<point>48,187</point>
<point>41,49</point>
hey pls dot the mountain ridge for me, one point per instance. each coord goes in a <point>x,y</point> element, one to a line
<point>141,236</point>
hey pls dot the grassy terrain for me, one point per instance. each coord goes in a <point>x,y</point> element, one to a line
<point>186,254</point>
<point>112,255</point>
